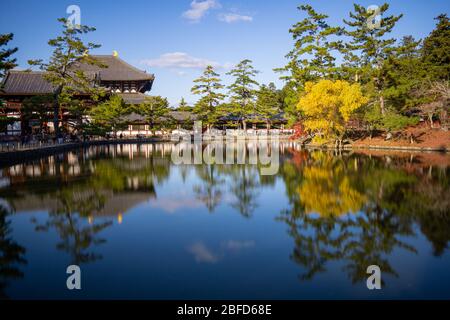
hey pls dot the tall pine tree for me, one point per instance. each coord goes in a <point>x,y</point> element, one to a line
<point>68,51</point>
<point>369,48</point>
<point>6,62</point>
<point>436,49</point>
<point>268,104</point>
<point>207,87</point>
<point>243,91</point>
<point>316,41</point>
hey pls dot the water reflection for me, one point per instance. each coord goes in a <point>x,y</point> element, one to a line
<point>357,209</point>
<point>12,255</point>
<point>349,208</point>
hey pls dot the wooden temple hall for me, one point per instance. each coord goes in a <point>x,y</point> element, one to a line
<point>115,75</point>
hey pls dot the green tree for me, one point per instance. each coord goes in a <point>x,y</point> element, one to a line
<point>156,111</point>
<point>290,94</point>
<point>268,103</point>
<point>369,48</point>
<point>111,114</point>
<point>436,49</point>
<point>207,87</point>
<point>242,90</point>
<point>404,74</point>
<point>6,62</point>
<point>12,254</point>
<point>38,108</point>
<point>69,50</point>
<point>315,42</point>
<point>4,119</point>
<point>184,106</point>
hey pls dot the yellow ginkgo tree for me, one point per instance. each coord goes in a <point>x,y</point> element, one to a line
<point>327,107</point>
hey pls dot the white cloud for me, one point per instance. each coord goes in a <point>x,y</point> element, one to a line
<point>234,17</point>
<point>199,9</point>
<point>180,60</point>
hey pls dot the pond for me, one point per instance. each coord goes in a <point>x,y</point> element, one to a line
<point>141,227</point>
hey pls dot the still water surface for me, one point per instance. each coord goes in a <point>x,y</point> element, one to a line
<point>141,227</point>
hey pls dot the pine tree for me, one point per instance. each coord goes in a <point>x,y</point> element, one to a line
<point>242,90</point>
<point>404,74</point>
<point>436,49</point>
<point>68,51</point>
<point>289,95</point>
<point>111,114</point>
<point>6,62</point>
<point>368,48</point>
<point>37,108</point>
<point>156,111</point>
<point>207,86</point>
<point>315,42</point>
<point>268,104</point>
<point>184,106</point>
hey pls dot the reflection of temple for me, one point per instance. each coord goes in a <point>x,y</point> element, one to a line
<point>88,181</point>
<point>115,203</point>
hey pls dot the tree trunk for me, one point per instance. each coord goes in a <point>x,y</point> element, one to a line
<point>244,126</point>
<point>443,116</point>
<point>430,117</point>
<point>56,111</point>
<point>383,111</point>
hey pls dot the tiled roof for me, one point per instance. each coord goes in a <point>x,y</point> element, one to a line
<point>117,69</point>
<point>181,116</point>
<point>133,98</point>
<point>26,82</point>
<point>33,82</point>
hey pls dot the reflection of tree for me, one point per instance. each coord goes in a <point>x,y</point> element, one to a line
<point>124,174</point>
<point>69,220</point>
<point>326,188</point>
<point>88,195</point>
<point>429,201</point>
<point>209,192</point>
<point>11,254</point>
<point>375,193</point>
<point>244,187</point>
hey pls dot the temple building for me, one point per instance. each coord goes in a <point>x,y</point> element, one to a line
<point>115,75</point>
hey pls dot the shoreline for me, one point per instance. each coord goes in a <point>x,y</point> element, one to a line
<point>18,156</point>
<point>380,147</point>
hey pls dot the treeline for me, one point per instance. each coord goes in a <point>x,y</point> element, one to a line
<point>335,78</point>
<point>399,79</point>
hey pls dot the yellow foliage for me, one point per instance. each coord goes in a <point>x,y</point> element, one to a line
<point>327,106</point>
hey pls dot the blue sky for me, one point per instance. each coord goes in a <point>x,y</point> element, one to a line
<point>174,39</point>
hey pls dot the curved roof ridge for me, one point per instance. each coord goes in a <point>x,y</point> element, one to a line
<point>121,61</point>
<point>26,71</point>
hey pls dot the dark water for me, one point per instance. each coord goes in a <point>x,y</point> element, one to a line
<point>141,227</point>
